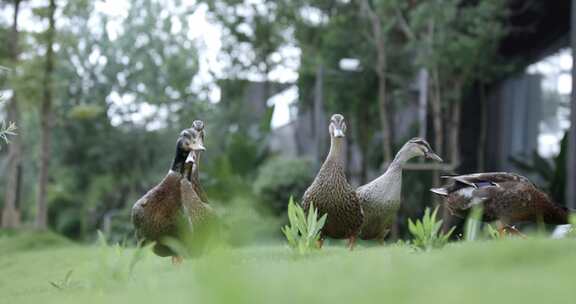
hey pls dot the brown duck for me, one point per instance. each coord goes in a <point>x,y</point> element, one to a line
<point>159,213</point>
<point>203,218</point>
<point>198,125</point>
<point>330,192</point>
<point>505,197</point>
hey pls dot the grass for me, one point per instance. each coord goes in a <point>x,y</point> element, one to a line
<point>513,271</point>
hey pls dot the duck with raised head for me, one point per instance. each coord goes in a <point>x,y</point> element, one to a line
<point>203,218</point>
<point>509,198</point>
<point>380,198</point>
<point>331,193</point>
<point>159,213</point>
<point>198,126</point>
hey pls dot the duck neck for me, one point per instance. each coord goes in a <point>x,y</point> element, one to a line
<point>336,153</point>
<point>179,159</point>
<point>401,157</point>
<point>195,168</point>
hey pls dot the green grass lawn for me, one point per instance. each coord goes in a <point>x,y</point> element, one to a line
<point>505,271</point>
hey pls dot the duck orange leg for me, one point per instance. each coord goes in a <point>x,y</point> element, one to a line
<point>320,243</point>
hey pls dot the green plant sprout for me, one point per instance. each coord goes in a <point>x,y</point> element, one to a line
<point>66,283</point>
<point>473,224</point>
<point>427,233</point>
<point>303,233</point>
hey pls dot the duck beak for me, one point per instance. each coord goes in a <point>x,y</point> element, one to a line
<point>198,146</point>
<point>433,156</point>
<point>338,133</point>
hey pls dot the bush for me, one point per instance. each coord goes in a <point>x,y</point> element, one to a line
<point>279,179</point>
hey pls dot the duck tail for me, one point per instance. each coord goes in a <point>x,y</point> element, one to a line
<point>440,191</point>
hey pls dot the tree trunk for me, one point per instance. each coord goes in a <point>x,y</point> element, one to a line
<point>436,104</point>
<point>483,132</point>
<point>381,66</point>
<point>454,132</point>
<point>46,123</point>
<point>423,102</point>
<point>10,213</point>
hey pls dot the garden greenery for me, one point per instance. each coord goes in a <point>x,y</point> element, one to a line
<point>427,232</point>
<point>303,233</point>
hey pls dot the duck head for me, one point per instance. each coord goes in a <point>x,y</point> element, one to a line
<point>419,147</point>
<point>337,126</point>
<point>197,131</point>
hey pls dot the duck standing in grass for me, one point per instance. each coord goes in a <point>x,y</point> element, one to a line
<point>331,194</point>
<point>198,126</point>
<point>203,218</point>
<point>159,213</point>
<point>380,199</point>
<point>505,197</point>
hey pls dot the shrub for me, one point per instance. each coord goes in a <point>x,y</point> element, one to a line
<point>303,233</point>
<point>279,179</point>
<point>427,232</point>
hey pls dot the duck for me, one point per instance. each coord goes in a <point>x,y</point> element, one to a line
<point>198,126</point>
<point>380,199</point>
<point>508,198</point>
<point>159,214</point>
<point>331,193</point>
<point>203,218</point>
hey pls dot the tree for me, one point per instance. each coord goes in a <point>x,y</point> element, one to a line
<point>46,120</point>
<point>380,40</point>
<point>10,213</point>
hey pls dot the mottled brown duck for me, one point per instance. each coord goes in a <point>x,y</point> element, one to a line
<point>505,197</point>
<point>198,126</point>
<point>380,198</point>
<point>330,192</point>
<point>203,218</point>
<point>159,214</point>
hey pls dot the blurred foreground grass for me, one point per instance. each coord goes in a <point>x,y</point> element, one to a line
<point>513,271</point>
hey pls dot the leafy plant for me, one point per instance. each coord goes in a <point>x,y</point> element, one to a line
<point>473,224</point>
<point>427,232</point>
<point>6,129</point>
<point>116,263</point>
<point>303,233</point>
<point>66,283</point>
<point>492,232</point>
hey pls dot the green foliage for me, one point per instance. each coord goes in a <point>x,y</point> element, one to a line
<point>426,233</point>
<point>116,263</point>
<point>472,228</point>
<point>279,179</point>
<point>7,129</point>
<point>303,233</point>
<point>66,283</point>
<point>492,232</point>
